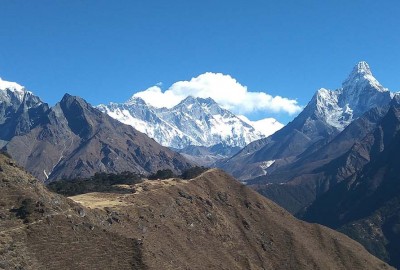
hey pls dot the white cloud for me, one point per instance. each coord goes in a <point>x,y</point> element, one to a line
<point>266,126</point>
<point>225,90</point>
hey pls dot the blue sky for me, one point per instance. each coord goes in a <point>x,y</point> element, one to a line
<point>108,50</point>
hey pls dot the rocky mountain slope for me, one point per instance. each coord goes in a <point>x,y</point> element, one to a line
<point>325,116</point>
<point>20,111</point>
<point>163,225</point>
<point>193,122</point>
<point>297,184</point>
<point>366,205</point>
<point>74,139</point>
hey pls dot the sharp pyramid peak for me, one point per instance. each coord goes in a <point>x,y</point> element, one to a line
<point>360,70</point>
<point>360,76</point>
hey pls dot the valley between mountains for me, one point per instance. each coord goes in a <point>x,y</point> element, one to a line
<point>134,191</point>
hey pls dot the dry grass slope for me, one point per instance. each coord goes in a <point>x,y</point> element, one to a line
<point>211,222</point>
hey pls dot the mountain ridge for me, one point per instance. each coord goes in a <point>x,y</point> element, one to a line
<point>194,121</point>
<point>74,139</point>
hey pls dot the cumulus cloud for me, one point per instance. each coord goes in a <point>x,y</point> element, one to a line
<point>224,89</point>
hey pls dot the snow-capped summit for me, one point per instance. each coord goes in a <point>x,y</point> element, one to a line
<point>360,77</point>
<point>194,121</point>
<point>359,93</point>
<point>326,115</point>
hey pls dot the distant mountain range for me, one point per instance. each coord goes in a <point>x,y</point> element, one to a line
<point>73,139</point>
<point>194,122</point>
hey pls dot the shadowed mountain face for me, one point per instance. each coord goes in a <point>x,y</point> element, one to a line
<point>163,225</point>
<point>366,205</point>
<point>76,140</point>
<point>297,184</point>
<point>325,116</point>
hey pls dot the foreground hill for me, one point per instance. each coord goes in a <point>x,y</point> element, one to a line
<point>43,230</point>
<point>73,139</point>
<point>210,222</point>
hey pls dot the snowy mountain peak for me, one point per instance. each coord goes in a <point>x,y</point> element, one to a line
<point>359,93</point>
<point>135,101</point>
<point>361,78</point>
<point>207,101</point>
<point>194,121</point>
<point>190,100</point>
<point>362,68</point>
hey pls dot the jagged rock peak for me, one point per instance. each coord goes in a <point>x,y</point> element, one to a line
<point>69,100</point>
<point>362,68</point>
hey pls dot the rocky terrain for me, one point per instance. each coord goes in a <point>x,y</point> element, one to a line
<point>210,222</point>
<point>73,139</point>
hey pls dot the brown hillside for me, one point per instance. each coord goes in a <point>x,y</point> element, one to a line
<point>211,222</point>
<point>42,230</point>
